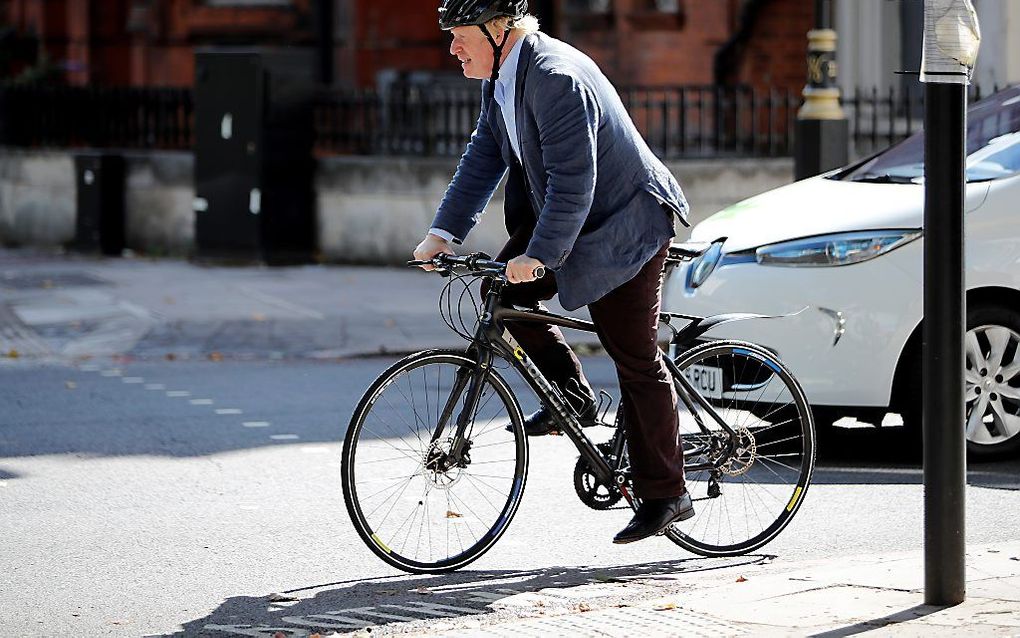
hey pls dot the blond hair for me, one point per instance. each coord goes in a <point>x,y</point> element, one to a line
<point>525,24</point>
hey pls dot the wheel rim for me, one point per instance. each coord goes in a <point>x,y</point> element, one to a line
<point>411,511</point>
<point>764,484</point>
<point>992,385</point>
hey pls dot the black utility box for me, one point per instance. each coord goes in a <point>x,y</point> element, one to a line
<point>99,226</point>
<point>254,168</point>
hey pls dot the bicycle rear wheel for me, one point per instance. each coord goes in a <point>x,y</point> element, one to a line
<point>755,491</point>
<point>412,509</point>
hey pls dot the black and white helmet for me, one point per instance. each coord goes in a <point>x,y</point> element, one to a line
<point>461,13</point>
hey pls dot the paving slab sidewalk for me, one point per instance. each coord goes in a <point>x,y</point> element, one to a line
<point>880,595</point>
<point>57,305</point>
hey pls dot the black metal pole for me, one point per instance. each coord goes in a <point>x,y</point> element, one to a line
<point>822,140</point>
<point>943,353</point>
<point>324,40</point>
<point>823,14</point>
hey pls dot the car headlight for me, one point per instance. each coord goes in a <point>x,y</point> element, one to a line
<point>841,249</point>
<point>703,266</point>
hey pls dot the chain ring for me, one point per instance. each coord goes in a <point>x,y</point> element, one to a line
<point>590,489</point>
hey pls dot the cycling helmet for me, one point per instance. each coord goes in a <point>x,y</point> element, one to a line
<point>462,13</point>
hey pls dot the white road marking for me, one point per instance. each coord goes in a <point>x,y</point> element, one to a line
<point>281,303</point>
<point>201,402</point>
<point>178,393</point>
<point>256,424</point>
<point>114,372</point>
<point>333,621</point>
<point>435,609</point>
<point>155,386</point>
<point>284,437</point>
<point>133,380</point>
<point>228,411</point>
<point>89,367</point>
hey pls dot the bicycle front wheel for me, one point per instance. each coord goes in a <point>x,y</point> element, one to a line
<point>762,471</point>
<point>415,509</point>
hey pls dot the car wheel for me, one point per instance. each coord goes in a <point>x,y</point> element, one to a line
<point>992,356</point>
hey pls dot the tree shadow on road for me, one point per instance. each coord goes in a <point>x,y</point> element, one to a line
<point>353,605</point>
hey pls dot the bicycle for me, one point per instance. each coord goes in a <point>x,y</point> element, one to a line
<point>433,468</point>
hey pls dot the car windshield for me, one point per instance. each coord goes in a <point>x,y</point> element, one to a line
<point>993,146</point>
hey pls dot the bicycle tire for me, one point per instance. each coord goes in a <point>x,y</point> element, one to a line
<point>360,463</point>
<point>773,415</point>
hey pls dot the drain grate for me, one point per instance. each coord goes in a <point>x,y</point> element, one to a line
<point>21,280</point>
<point>626,621</point>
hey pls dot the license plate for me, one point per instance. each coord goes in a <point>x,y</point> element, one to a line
<point>707,380</point>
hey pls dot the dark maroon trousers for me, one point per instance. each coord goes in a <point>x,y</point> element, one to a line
<point>626,321</point>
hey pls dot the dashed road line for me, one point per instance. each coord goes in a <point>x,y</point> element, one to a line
<point>132,380</point>
<point>155,386</point>
<point>256,424</point>
<point>284,437</point>
<point>201,402</point>
<point>228,411</point>
<point>178,393</point>
<point>113,372</point>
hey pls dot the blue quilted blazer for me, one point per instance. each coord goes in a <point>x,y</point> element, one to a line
<point>599,200</point>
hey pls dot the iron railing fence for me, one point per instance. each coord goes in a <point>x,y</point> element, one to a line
<point>879,119</point>
<point>106,117</point>
<point>422,120</point>
<point>677,122</point>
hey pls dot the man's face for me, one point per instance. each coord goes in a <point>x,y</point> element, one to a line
<point>472,48</point>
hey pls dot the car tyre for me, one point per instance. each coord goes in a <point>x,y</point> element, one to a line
<point>992,347</point>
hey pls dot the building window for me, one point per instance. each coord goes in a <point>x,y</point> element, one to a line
<point>249,3</point>
<point>589,6</point>
<point>658,15</point>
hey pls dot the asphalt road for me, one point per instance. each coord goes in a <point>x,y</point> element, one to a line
<point>166,498</point>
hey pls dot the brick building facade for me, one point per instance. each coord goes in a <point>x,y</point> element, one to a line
<point>637,42</point>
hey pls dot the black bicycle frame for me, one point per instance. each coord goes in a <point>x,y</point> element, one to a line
<point>491,336</point>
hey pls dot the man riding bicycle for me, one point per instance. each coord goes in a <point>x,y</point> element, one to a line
<point>586,199</point>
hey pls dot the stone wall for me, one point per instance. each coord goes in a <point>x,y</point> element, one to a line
<point>370,209</point>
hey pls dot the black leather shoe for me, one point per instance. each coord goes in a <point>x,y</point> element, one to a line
<point>541,421</point>
<point>655,515</point>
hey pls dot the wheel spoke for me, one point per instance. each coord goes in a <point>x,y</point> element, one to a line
<point>998,339</point>
<point>977,414</point>
<point>973,348</point>
<point>405,511</point>
<point>756,502</point>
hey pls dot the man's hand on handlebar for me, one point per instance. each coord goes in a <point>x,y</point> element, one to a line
<point>523,269</point>
<point>430,247</point>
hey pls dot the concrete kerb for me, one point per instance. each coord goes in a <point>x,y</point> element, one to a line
<point>832,597</point>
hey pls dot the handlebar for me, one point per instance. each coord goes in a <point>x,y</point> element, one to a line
<point>476,263</point>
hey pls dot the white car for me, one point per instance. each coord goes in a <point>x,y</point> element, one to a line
<point>846,247</point>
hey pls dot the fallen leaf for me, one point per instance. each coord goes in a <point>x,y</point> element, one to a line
<point>388,592</point>
<point>666,607</point>
<point>582,607</point>
<point>450,514</point>
<point>258,316</point>
<point>279,598</point>
<point>169,301</point>
<point>389,323</point>
<point>215,356</point>
<point>279,634</point>
<point>741,580</point>
<point>48,283</point>
<point>13,354</point>
<point>71,385</point>
<point>170,356</point>
<point>315,635</point>
<point>424,591</point>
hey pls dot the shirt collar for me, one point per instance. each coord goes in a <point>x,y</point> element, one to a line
<point>508,71</point>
